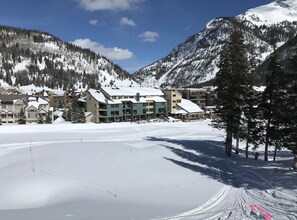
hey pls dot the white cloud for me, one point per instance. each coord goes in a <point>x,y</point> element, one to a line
<point>149,36</point>
<point>127,21</point>
<point>94,5</point>
<point>114,53</point>
<point>93,22</point>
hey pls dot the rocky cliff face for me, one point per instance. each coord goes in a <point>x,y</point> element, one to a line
<point>195,61</point>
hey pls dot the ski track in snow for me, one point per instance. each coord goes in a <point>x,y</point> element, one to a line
<point>279,203</point>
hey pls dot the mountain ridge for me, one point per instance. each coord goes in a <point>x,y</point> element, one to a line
<point>195,60</point>
<point>40,58</point>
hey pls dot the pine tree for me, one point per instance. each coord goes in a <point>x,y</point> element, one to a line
<point>40,120</point>
<point>289,110</point>
<point>22,118</point>
<point>271,104</point>
<point>249,129</point>
<point>48,119</point>
<point>75,114</point>
<point>232,88</point>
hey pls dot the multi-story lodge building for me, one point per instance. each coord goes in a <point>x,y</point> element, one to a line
<point>125,104</point>
<point>203,97</point>
<point>182,108</point>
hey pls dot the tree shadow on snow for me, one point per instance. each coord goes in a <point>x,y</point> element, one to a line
<point>209,158</point>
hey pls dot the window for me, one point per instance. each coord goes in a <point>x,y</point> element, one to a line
<point>114,113</point>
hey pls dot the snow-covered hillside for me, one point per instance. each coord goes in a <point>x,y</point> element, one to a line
<point>195,61</point>
<point>125,171</point>
<point>34,57</point>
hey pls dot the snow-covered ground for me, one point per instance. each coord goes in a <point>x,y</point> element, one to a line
<point>126,171</point>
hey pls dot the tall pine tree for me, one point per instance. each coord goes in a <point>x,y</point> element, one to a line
<point>271,105</point>
<point>290,110</point>
<point>232,82</point>
<point>249,129</point>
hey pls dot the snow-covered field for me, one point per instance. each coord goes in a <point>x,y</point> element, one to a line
<point>126,171</point>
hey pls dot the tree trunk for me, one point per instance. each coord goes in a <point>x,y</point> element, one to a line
<point>267,140</point>
<point>237,144</point>
<point>247,149</point>
<point>295,162</point>
<point>274,155</point>
<point>229,140</point>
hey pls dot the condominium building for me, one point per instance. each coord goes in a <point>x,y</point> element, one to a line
<point>125,104</point>
<point>181,108</point>
<point>203,97</point>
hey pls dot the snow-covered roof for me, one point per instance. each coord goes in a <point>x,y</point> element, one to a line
<point>42,101</point>
<point>132,91</point>
<point>97,95</point>
<point>156,99</point>
<point>141,100</point>
<point>6,111</point>
<point>17,100</point>
<point>32,104</point>
<point>36,102</point>
<point>42,111</point>
<point>189,106</point>
<point>113,102</point>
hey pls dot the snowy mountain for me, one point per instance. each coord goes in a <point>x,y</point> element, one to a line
<point>195,61</point>
<point>285,54</point>
<point>35,57</point>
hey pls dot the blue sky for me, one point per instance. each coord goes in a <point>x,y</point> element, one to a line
<point>131,33</point>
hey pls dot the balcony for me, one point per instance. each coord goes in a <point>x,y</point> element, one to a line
<point>102,113</point>
<point>102,107</point>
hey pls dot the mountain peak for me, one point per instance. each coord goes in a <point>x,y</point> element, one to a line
<point>272,13</point>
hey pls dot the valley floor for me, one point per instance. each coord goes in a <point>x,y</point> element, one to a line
<point>126,171</point>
